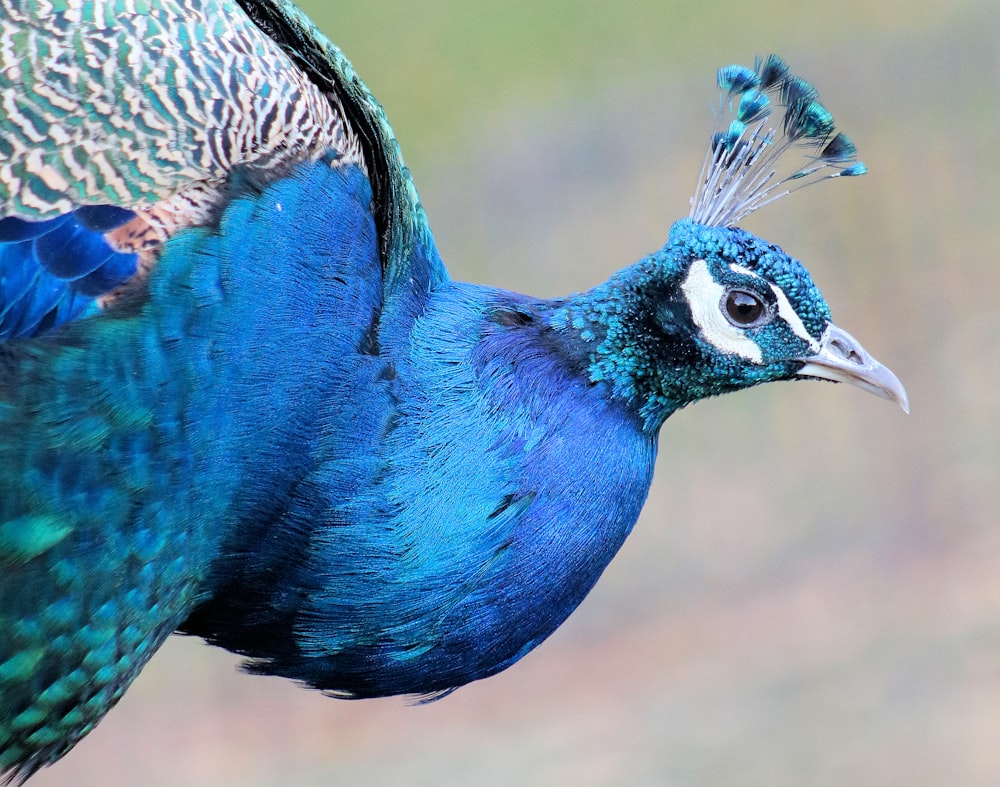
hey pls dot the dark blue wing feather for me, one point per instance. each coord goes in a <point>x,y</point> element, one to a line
<point>54,271</point>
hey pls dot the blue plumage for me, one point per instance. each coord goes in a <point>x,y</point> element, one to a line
<point>52,271</point>
<point>252,406</point>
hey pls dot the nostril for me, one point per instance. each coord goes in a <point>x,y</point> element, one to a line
<point>847,352</point>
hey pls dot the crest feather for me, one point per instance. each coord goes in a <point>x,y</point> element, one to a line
<point>740,173</point>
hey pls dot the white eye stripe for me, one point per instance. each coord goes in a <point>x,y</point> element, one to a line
<point>789,315</point>
<point>704,295</point>
<point>785,310</point>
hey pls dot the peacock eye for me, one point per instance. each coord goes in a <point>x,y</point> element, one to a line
<point>744,309</point>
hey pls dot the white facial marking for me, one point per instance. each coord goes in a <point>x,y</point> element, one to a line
<point>788,314</point>
<point>785,310</point>
<point>704,295</point>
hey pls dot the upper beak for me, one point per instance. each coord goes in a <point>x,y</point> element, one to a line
<point>841,358</point>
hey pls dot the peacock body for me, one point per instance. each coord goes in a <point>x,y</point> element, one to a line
<point>241,398</point>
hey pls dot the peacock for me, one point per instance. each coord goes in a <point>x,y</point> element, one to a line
<point>240,397</point>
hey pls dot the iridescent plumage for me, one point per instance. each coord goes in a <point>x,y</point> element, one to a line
<point>241,398</point>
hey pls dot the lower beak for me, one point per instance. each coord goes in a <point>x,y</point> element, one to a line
<point>841,358</point>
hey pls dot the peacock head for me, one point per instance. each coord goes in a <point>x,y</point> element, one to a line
<point>718,309</point>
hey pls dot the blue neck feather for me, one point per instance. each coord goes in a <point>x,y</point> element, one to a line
<point>484,484</point>
<point>460,529</point>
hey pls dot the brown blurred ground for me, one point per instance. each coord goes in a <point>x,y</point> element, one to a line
<point>813,593</point>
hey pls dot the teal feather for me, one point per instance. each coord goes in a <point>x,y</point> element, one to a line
<point>736,80</point>
<point>753,106</point>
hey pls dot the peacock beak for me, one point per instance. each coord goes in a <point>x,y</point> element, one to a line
<point>841,358</point>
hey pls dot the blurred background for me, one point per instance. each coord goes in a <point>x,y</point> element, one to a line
<point>812,595</point>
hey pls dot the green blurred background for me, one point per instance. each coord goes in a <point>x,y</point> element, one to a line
<point>812,595</point>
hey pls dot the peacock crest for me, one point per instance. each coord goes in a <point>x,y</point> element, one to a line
<point>741,172</point>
